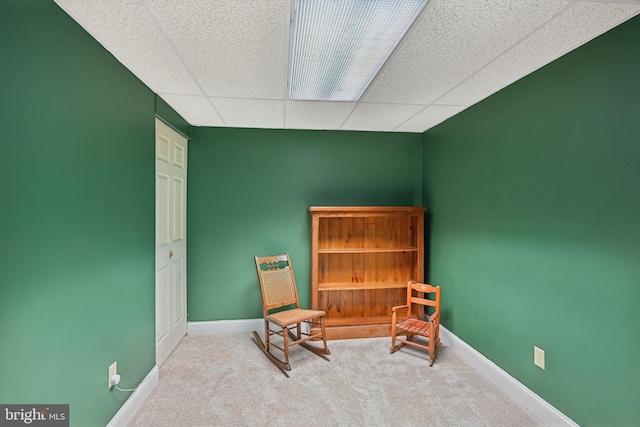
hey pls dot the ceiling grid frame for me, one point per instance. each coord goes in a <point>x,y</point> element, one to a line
<point>139,39</point>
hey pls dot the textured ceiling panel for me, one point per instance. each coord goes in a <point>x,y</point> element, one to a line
<point>317,115</point>
<point>430,117</point>
<point>225,62</point>
<point>235,48</point>
<point>197,110</point>
<point>125,30</point>
<point>380,117</point>
<point>454,39</point>
<point>250,113</point>
<point>566,32</point>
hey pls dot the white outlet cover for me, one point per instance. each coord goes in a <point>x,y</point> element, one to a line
<point>538,357</point>
<point>113,370</point>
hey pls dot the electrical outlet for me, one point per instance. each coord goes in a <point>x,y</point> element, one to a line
<point>538,357</point>
<point>113,370</point>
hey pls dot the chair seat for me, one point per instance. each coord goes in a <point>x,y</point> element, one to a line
<point>415,326</point>
<point>296,315</point>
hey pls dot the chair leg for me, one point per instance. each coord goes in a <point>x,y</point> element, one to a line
<point>283,365</point>
<point>285,336</point>
<point>393,336</point>
<point>432,347</point>
<point>315,349</point>
<point>279,363</point>
<point>436,349</point>
<point>395,347</point>
<point>267,335</point>
<point>324,335</point>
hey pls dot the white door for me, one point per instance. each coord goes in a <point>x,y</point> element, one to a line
<point>171,227</point>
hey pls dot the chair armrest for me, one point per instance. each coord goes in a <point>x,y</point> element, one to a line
<point>434,317</point>
<point>399,306</point>
<point>393,312</point>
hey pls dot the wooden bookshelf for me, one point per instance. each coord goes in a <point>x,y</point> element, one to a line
<point>361,260</point>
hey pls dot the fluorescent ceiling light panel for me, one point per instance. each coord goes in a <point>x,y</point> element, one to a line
<point>338,46</point>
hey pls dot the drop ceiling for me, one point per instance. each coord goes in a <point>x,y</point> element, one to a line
<point>226,62</point>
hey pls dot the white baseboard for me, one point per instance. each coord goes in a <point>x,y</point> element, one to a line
<point>518,391</point>
<point>225,326</point>
<point>137,398</point>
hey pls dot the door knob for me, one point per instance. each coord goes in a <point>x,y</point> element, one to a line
<point>170,254</point>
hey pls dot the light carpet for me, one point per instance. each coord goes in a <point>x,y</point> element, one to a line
<point>225,380</point>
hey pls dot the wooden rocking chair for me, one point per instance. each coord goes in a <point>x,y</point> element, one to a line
<point>412,326</point>
<point>278,287</point>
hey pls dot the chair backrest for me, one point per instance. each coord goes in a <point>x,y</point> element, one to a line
<point>277,283</point>
<point>417,294</point>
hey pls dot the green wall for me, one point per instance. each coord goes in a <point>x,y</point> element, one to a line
<point>249,192</point>
<point>534,198</point>
<point>77,216</point>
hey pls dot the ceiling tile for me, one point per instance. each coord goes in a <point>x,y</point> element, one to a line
<point>429,117</point>
<point>251,113</point>
<point>317,114</point>
<point>569,30</point>
<point>235,48</point>
<point>197,110</point>
<point>380,117</point>
<point>124,29</point>
<point>452,40</point>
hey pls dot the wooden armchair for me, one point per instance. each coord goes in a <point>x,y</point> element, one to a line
<point>278,287</point>
<point>414,327</point>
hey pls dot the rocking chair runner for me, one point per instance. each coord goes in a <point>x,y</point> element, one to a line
<point>412,326</point>
<point>278,288</point>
